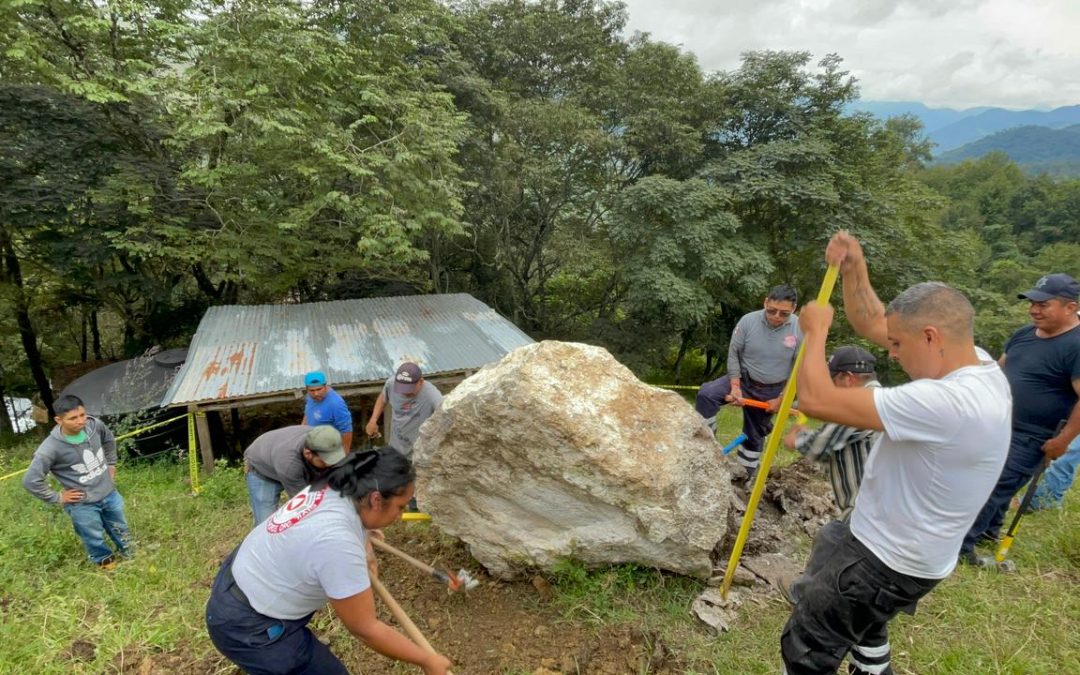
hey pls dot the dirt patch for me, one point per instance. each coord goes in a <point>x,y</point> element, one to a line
<point>796,503</point>
<point>142,660</point>
<point>81,650</point>
<point>498,626</point>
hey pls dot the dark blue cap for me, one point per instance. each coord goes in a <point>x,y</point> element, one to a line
<point>1053,286</point>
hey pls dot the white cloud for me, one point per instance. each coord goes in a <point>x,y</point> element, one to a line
<point>955,53</point>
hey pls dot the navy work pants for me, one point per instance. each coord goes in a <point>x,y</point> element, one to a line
<point>757,423</point>
<point>259,644</point>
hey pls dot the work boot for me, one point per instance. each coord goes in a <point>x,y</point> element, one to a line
<point>785,583</point>
<point>973,559</point>
<point>108,564</point>
<point>988,539</point>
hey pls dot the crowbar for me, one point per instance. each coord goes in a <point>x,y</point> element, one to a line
<point>827,285</point>
<point>402,618</point>
<point>754,403</point>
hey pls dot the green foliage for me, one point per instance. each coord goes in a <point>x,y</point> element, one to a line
<point>160,157</point>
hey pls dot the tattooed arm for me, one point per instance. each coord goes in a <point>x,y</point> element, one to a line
<point>864,310</point>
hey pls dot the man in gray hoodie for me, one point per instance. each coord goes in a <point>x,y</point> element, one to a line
<point>80,452</point>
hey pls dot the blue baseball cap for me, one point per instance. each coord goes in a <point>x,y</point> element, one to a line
<point>1053,286</point>
<point>315,378</point>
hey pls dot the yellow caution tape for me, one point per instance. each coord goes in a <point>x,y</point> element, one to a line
<point>148,428</point>
<point>193,463</point>
<point>14,473</point>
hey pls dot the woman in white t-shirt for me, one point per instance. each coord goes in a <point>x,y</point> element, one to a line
<point>314,549</point>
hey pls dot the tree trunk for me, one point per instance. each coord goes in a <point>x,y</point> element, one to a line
<point>95,332</point>
<point>6,425</point>
<point>13,274</point>
<point>683,346</point>
<point>83,338</point>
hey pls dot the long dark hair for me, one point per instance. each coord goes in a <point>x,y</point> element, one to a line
<point>384,470</point>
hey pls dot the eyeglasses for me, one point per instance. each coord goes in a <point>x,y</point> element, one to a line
<point>782,313</point>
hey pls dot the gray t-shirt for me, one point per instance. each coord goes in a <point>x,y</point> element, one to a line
<point>311,550</point>
<point>409,413</point>
<point>761,352</point>
<point>276,455</point>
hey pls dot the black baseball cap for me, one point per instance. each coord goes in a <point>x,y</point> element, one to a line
<point>851,359</point>
<point>1053,286</point>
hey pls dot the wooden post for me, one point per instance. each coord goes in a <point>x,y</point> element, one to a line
<point>235,415</point>
<point>206,450</point>
<point>360,440</point>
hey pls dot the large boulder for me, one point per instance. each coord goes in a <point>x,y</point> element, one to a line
<point>559,451</point>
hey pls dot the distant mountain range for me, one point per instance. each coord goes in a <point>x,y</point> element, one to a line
<point>1036,149</point>
<point>1029,137</point>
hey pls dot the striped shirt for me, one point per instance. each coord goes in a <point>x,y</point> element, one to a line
<point>845,449</point>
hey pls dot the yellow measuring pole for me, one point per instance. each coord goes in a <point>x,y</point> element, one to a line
<point>827,285</point>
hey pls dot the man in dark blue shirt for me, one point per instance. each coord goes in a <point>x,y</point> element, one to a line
<point>1042,364</point>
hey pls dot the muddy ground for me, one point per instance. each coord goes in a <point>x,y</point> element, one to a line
<point>517,627</point>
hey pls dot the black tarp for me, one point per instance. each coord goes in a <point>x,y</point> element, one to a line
<point>127,395</point>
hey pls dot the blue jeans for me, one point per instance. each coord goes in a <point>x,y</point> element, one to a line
<point>259,644</point>
<point>1025,455</point>
<point>1057,479</point>
<point>263,494</point>
<point>92,520</point>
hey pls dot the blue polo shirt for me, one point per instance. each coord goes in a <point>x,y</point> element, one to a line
<point>331,410</point>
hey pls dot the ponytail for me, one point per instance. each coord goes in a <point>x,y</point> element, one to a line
<point>384,470</point>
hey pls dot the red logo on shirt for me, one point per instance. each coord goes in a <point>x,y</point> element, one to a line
<point>295,510</point>
<point>791,341</point>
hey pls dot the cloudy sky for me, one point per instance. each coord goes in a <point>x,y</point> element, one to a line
<point>945,53</point>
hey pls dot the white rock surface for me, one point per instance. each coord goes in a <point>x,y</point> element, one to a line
<point>559,451</point>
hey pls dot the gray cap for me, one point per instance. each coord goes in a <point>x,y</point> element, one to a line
<point>325,441</point>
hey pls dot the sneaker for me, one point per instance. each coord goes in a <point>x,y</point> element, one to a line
<point>108,564</point>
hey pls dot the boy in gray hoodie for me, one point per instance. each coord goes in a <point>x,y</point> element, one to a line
<point>80,452</point>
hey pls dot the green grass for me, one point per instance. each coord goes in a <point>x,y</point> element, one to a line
<point>60,615</point>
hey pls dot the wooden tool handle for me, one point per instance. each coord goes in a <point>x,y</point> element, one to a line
<point>402,618</point>
<point>380,544</point>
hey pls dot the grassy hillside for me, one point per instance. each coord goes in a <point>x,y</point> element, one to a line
<point>61,616</point>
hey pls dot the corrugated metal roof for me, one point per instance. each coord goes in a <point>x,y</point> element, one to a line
<point>244,350</point>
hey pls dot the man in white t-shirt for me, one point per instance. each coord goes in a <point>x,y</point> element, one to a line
<point>946,436</point>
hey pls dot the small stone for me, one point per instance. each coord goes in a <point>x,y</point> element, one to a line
<point>543,587</point>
